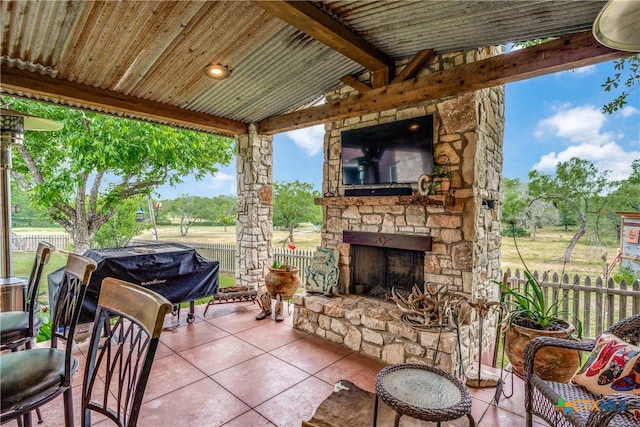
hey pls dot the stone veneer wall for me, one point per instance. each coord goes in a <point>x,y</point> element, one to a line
<point>254,221</point>
<point>466,236</point>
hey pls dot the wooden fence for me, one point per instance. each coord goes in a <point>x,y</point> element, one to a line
<point>29,243</point>
<point>596,303</point>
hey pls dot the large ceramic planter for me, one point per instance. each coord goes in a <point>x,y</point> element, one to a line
<point>283,281</point>
<point>551,363</point>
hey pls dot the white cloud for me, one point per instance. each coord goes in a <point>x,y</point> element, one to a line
<point>578,124</point>
<point>609,156</point>
<point>582,127</point>
<point>629,111</point>
<point>222,182</point>
<point>310,139</point>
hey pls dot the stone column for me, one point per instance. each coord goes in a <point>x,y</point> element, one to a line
<point>254,221</point>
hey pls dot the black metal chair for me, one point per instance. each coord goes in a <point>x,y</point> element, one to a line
<point>542,397</point>
<point>33,377</point>
<point>18,328</point>
<point>126,332</point>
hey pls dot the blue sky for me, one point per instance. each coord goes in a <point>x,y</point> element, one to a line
<point>549,119</point>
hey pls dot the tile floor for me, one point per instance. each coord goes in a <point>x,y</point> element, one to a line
<point>227,369</point>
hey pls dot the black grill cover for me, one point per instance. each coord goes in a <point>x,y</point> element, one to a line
<point>175,271</point>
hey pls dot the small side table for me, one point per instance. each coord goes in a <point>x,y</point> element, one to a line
<point>423,392</point>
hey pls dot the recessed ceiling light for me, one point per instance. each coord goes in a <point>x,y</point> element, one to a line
<point>218,72</point>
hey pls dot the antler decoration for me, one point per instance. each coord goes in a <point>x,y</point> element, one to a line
<point>435,307</point>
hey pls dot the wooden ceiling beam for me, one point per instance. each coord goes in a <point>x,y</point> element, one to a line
<point>315,23</point>
<point>355,83</point>
<point>573,51</point>
<point>20,82</point>
<point>413,66</point>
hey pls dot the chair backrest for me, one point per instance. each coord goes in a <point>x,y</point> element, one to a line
<point>67,305</point>
<point>33,285</point>
<point>627,329</point>
<point>126,331</point>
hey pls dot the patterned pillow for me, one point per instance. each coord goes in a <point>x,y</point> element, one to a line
<point>612,367</point>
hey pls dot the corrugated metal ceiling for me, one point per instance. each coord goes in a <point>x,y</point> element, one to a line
<point>157,50</point>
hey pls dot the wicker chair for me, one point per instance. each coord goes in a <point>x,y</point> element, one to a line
<point>542,397</point>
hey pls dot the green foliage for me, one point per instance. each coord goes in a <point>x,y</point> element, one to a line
<point>630,81</point>
<point>515,231</point>
<point>122,225</point>
<point>190,210</point>
<point>514,206</point>
<point>293,203</point>
<point>626,274</point>
<point>30,215</point>
<point>44,334</point>
<point>441,166</point>
<point>195,210</point>
<point>83,172</point>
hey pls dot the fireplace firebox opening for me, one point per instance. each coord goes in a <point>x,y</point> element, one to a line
<point>375,271</point>
<point>382,261</point>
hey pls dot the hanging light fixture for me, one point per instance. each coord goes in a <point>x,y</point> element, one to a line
<point>618,25</point>
<point>217,72</point>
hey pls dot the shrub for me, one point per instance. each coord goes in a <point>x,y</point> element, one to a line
<point>626,274</point>
<point>515,232</point>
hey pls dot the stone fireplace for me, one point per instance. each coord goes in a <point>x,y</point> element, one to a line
<point>449,240</point>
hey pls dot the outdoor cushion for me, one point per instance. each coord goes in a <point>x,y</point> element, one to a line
<point>26,373</point>
<point>15,325</point>
<point>612,367</point>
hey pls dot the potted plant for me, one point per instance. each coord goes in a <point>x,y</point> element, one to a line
<point>440,175</point>
<point>530,316</point>
<point>282,279</point>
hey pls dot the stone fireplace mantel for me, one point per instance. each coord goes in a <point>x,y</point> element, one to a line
<point>409,242</point>
<point>438,200</point>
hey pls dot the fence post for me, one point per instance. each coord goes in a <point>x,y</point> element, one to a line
<point>599,306</point>
<point>586,316</point>
<point>610,302</point>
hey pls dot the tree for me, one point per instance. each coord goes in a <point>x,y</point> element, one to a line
<point>190,210</point>
<point>293,203</point>
<point>577,186</point>
<point>83,172</point>
<point>224,208</point>
<point>514,204</point>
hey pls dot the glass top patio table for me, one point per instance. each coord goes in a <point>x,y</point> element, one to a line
<point>423,392</point>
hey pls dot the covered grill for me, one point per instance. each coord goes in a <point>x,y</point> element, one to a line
<point>175,271</point>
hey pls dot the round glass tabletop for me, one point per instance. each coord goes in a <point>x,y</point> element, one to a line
<point>422,388</point>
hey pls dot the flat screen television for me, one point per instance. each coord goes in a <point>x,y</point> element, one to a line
<point>389,153</point>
